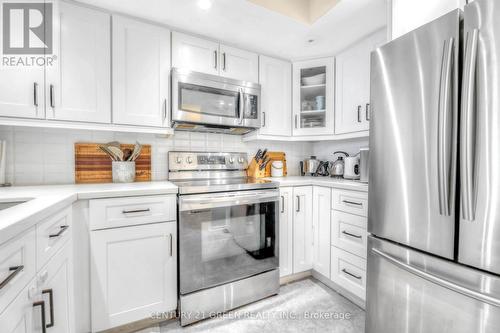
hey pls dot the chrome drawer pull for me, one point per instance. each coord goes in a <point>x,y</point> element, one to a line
<point>352,203</point>
<point>349,234</point>
<point>15,270</point>
<point>282,204</point>
<point>349,273</point>
<point>41,304</point>
<point>136,211</point>
<point>62,229</point>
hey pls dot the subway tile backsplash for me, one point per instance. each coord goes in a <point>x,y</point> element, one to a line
<point>46,156</point>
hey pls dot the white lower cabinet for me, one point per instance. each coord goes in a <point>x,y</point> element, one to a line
<point>349,272</point>
<point>133,273</point>
<point>321,229</point>
<point>23,314</point>
<point>55,282</point>
<point>302,229</point>
<point>286,231</point>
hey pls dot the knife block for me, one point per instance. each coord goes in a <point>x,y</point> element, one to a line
<point>254,172</point>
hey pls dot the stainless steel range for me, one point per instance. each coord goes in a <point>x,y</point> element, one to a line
<point>228,227</point>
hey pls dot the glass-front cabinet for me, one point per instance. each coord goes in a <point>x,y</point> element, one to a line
<point>313,97</point>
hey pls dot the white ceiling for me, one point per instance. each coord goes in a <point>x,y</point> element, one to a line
<point>243,24</point>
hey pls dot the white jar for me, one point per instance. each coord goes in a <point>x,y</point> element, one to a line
<point>277,169</point>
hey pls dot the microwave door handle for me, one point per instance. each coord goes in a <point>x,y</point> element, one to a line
<point>241,106</point>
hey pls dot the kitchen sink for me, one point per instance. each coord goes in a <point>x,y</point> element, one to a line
<point>11,203</point>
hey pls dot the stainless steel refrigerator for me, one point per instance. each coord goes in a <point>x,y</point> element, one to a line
<point>434,185</point>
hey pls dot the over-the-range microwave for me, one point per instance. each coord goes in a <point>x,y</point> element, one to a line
<point>211,103</point>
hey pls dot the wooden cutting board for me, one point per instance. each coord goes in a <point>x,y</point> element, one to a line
<point>92,165</point>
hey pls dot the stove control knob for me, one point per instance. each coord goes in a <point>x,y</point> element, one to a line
<point>231,160</point>
<point>190,159</point>
<point>241,160</point>
<point>179,160</point>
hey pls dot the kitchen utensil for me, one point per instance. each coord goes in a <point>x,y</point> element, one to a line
<point>117,152</point>
<point>257,155</point>
<point>108,152</point>
<point>364,154</point>
<point>351,168</point>
<point>123,172</point>
<point>277,169</point>
<point>264,154</point>
<point>322,169</point>
<point>301,164</point>
<point>136,152</point>
<point>310,165</point>
<point>127,153</point>
<point>337,167</point>
<point>264,163</point>
<point>320,102</point>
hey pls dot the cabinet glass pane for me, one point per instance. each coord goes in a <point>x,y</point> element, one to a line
<point>312,97</point>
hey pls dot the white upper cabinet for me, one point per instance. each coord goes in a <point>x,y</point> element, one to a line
<point>352,98</point>
<point>205,56</point>
<point>195,54</point>
<point>239,64</point>
<point>141,66</point>
<point>21,93</point>
<point>276,96</point>
<point>313,97</point>
<point>78,85</point>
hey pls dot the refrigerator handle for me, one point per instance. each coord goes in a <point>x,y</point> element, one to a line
<point>468,126</point>
<point>438,280</point>
<point>444,130</point>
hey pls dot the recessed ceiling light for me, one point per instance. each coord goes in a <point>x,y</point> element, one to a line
<point>205,4</point>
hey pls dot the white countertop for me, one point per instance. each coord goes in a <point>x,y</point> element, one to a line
<point>49,199</point>
<point>345,184</point>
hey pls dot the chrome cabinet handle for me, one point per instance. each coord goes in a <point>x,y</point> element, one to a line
<point>41,304</point>
<point>215,59</point>
<point>351,274</point>
<point>136,211</point>
<point>298,204</point>
<point>352,203</point>
<point>359,113</point>
<point>224,61</point>
<point>437,280</point>
<point>15,270</point>
<point>62,229</point>
<point>51,306</point>
<point>241,105</point>
<point>35,94</point>
<point>282,204</point>
<point>165,108</point>
<point>295,121</point>
<point>467,131</point>
<point>367,111</point>
<point>171,245</point>
<point>263,119</point>
<point>51,96</point>
<point>444,115</point>
<point>352,235</point>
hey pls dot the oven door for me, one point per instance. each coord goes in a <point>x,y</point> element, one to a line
<point>225,237</point>
<point>209,99</point>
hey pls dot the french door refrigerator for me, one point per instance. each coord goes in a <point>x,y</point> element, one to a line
<point>434,188</point>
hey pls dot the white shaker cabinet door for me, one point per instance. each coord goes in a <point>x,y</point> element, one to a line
<point>78,85</point>
<point>133,273</point>
<point>302,229</point>
<point>195,54</point>
<point>24,314</point>
<point>286,231</point>
<point>22,91</point>
<point>141,68</point>
<point>239,64</point>
<point>321,229</point>
<point>275,78</point>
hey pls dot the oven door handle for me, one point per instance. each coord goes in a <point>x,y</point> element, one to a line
<point>214,201</point>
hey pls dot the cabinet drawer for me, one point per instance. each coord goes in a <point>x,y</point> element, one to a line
<point>349,272</point>
<point>109,213</point>
<point>17,266</point>
<point>349,232</point>
<point>353,202</point>
<point>51,235</point>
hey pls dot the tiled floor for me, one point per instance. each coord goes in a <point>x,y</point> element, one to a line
<point>303,302</point>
